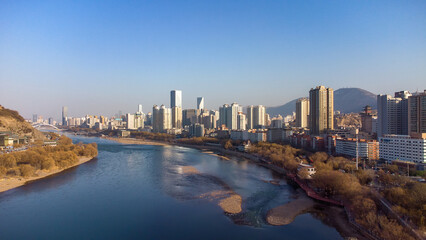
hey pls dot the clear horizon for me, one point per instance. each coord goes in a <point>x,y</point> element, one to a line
<point>102,57</point>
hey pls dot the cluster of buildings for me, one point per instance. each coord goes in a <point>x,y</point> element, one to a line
<point>395,131</point>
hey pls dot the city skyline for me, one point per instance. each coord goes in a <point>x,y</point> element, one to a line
<point>102,58</point>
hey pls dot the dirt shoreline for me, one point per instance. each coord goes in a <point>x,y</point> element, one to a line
<point>14,182</point>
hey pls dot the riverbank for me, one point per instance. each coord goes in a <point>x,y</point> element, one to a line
<point>136,141</point>
<point>14,182</point>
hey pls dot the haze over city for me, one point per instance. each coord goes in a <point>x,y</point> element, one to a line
<point>102,57</point>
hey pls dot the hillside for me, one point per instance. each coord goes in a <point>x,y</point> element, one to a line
<point>10,120</point>
<point>346,100</point>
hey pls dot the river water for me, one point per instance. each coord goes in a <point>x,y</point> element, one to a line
<point>140,192</point>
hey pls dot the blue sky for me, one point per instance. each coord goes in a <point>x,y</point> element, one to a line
<point>98,57</point>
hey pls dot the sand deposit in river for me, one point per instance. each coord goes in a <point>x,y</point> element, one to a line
<point>285,214</point>
<point>229,201</point>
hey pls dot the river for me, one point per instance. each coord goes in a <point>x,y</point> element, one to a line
<point>140,192</point>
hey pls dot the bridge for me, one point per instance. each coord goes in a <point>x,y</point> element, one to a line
<point>39,126</point>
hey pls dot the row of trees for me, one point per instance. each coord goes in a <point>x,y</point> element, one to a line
<point>153,136</point>
<point>64,155</point>
<point>337,177</point>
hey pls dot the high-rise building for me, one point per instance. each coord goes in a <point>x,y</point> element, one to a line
<point>417,113</point>
<point>196,130</point>
<point>321,109</point>
<point>228,115</point>
<point>176,117</point>
<point>165,117</point>
<point>35,118</point>
<point>176,98</point>
<point>190,116</point>
<point>64,115</point>
<point>392,114</point>
<point>302,112</point>
<point>200,103</point>
<point>259,117</point>
<point>256,117</point>
<point>155,118</point>
<point>249,115</point>
<point>241,121</point>
<point>130,121</point>
<point>51,121</point>
<point>140,108</point>
<point>367,120</point>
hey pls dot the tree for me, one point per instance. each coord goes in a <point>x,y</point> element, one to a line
<point>228,144</point>
<point>26,170</point>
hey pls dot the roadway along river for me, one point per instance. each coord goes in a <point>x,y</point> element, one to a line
<point>149,192</point>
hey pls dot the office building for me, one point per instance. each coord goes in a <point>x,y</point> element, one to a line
<point>302,112</point>
<point>200,103</point>
<point>140,108</point>
<point>64,115</point>
<point>35,118</point>
<point>403,148</point>
<point>176,98</point>
<point>321,109</point>
<point>417,113</point>
<point>392,114</point>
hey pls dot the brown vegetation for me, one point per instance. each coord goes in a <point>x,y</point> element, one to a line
<point>337,177</point>
<point>10,120</point>
<point>63,155</point>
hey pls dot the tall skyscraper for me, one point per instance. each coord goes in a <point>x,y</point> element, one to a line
<point>165,116</point>
<point>241,121</point>
<point>64,115</point>
<point>249,116</point>
<point>302,112</point>
<point>176,98</point>
<point>417,113</point>
<point>256,117</point>
<point>228,115</point>
<point>140,108</point>
<point>392,114</point>
<point>321,109</point>
<point>200,103</point>
<point>176,117</point>
<point>155,118</point>
<point>35,118</point>
<point>259,116</point>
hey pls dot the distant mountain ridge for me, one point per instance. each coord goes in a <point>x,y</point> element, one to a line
<point>346,100</point>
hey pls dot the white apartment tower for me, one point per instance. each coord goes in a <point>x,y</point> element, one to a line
<point>302,112</point>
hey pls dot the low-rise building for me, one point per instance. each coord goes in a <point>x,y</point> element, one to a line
<point>403,147</point>
<point>368,149</point>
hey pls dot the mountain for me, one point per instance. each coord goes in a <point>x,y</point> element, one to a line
<point>346,100</point>
<point>11,121</point>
